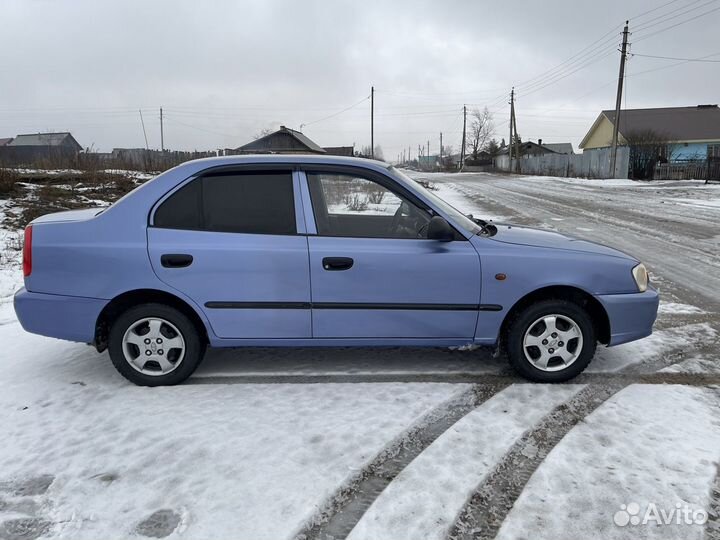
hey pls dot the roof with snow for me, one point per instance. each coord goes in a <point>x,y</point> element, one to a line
<point>46,139</point>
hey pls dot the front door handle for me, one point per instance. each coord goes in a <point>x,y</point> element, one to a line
<point>337,263</point>
<point>176,260</point>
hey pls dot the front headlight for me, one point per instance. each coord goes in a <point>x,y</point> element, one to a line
<point>640,274</point>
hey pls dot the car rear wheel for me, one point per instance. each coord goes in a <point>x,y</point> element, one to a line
<point>551,341</point>
<point>155,345</point>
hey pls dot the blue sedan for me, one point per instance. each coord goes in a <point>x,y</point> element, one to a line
<point>280,250</point>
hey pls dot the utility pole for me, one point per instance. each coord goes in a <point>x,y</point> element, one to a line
<point>512,116</point>
<point>513,130</point>
<point>143,126</point>
<point>517,143</point>
<point>462,149</point>
<point>162,135</point>
<point>618,99</point>
<point>428,155</point>
<point>441,149</point>
<point>372,122</point>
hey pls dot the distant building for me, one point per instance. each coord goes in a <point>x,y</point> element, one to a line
<point>692,132</point>
<point>35,148</point>
<point>558,148</point>
<point>6,141</point>
<point>340,150</point>
<point>529,148</point>
<point>290,141</point>
<point>283,141</point>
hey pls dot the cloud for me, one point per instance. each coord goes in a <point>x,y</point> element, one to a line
<point>223,70</point>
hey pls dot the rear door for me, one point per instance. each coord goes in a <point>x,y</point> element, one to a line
<point>232,241</point>
<point>374,274</point>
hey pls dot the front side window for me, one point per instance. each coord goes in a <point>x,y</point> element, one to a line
<point>713,151</point>
<point>252,202</point>
<point>350,205</point>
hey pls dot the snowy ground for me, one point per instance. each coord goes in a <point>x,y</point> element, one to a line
<point>389,443</point>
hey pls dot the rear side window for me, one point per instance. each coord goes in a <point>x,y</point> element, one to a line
<point>254,203</point>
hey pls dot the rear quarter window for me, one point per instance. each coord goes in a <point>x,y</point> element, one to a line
<point>253,203</point>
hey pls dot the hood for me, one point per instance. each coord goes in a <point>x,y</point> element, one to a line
<point>69,215</point>
<point>526,236</point>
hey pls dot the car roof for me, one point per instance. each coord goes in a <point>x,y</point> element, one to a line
<point>298,159</point>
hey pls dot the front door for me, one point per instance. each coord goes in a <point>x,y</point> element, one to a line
<point>229,240</point>
<point>374,274</point>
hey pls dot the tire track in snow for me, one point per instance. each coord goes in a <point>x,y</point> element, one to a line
<point>345,508</point>
<point>490,503</point>
<point>712,527</point>
<point>424,499</point>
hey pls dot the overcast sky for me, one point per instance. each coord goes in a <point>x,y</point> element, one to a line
<point>224,70</point>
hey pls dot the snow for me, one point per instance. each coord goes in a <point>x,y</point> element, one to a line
<point>675,308</point>
<point>452,194</point>
<point>711,204</point>
<point>233,457</point>
<point>647,444</point>
<point>56,172</point>
<point>654,347</point>
<point>253,461</point>
<point>424,499</point>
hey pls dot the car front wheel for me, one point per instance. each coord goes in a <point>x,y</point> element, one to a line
<point>551,341</point>
<point>155,345</point>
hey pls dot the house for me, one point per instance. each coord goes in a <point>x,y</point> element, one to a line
<point>282,141</point>
<point>32,148</point>
<point>340,150</point>
<point>558,148</point>
<point>6,141</point>
<point>529,148</point>
<point>693,133</point>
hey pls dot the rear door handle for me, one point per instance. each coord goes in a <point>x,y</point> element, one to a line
<point>176,260</point>
<point>337,263</point>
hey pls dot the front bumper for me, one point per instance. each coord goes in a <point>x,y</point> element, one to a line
<point>631,315</point>
<point>71,318</point>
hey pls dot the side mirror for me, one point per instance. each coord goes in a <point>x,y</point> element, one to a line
<point>440,229</point>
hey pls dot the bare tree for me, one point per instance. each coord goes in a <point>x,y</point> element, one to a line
<point>482,130</point>
<point>262,133</point>
<point>647,149</point>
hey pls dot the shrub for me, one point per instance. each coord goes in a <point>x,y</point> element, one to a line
<point>356,203</point>
<point>8,182</point>
<point>376,196</point>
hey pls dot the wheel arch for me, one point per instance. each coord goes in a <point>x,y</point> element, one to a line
<point>563,292</point>
<point>128,299</point>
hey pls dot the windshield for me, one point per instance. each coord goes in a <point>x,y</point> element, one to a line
<point>456,215</point>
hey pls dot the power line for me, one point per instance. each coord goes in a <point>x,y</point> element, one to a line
<point>602,41</point>
<point>363,100</point>
<point>565,75</point>
<point>676,24</point>
<point>702,59</point>
<point>640,15</point>
<point>607,47</point>
<point>671,15</point>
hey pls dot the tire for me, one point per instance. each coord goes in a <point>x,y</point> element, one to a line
<point>136,342</point>
<point>530,343</point>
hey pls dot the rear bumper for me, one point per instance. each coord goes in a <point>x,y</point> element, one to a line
<point>71,318</point>
<point>631,315</point>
